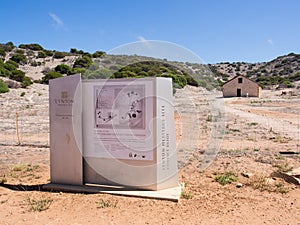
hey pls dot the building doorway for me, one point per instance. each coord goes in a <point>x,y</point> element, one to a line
<point>239,92</point>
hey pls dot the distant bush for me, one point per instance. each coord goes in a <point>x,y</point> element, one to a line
<point>35,63</point>
<point>98,54</point>
<point>80,52</point>
<point>33,47</point>
<point>63,69</point>
<point>50,75</point>
<point>41,54</point>
<point>73,50</point>
<point>19,58</point>
<point>101,73</point>
<point>3,87</point>
<point>2,53</point>
<point>179,77</point>
<point>11,65</point>
<point>83,62</point>
<point>59,55</point>
<point>49,52</point>
<point>20,51</point>
<point>288,84</point>
<point>9,46</point>
<point>294,77</point>
<point>17,75</point>
<point>4,72</point>
<point>11,62</point>
<point>77,71</point>
<point>26,82</point>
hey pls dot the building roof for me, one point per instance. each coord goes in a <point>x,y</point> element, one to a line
<point>243,77</point>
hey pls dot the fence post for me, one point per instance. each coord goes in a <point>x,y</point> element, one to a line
<point>17,128</point>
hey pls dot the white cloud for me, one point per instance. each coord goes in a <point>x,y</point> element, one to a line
<point>57,21</point>
<point>270,41</point>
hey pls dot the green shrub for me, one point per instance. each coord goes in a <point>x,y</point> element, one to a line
<point>179,77</point>
<point>33,47</point>
<point>226,178</point>
<point>79,52</point>
<point>35,63</point>
<point>77,71</point>
<point>17,75</point>
<point>59,55</point>
<point>63,69</point>
<point>39,205</point>
<point>73,50</point>
<point>87,54</point>
<point>19,58</point>
<point>9,46</point>
<point>26,82</point>
<point>50,75</point>
<point>41,54</point>
<point>186,195</point>
<point>288,84</point>
<point>83,62</point>
<point>4,72</point>
<point>2,53</point>
<point>3,87</point>
<point>98,54</point>
<point>9,67</point>
<point>12,63</point>
<point>294,77</point>
<point>49,52</point>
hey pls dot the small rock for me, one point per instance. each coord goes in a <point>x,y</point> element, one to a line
<point>239,185</point>
<point>248,175</point>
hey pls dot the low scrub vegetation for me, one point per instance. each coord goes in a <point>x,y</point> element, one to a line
<point>38,205</point>
<point>3,87</point>
<point>227,177</point>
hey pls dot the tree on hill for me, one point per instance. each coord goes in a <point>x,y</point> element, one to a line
<point>50,75</point>
<point>98,54</point>
<point>9,46</point>
<point>83,62</point>
<point>59,55</point>
<point>33,47</point>
<point>63,69</point>
<point>156,69</point>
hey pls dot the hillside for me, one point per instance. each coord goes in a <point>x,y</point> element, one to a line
<point>284,71</point>
<point>22,65</point>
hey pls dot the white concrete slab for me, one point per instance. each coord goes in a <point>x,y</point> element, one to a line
<point>171,194</point>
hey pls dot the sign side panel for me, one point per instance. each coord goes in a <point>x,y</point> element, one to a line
<point>167,171</point>
<point>66,130</point>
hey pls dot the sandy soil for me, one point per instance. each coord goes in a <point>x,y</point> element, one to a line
<point>252,132</point>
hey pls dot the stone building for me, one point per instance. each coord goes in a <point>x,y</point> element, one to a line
<point>241,86</point>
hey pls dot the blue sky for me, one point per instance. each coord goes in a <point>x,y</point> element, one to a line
<point>215,30</point>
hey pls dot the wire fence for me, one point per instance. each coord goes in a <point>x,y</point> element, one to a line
<point>24,124</point>
<point>264,133</point>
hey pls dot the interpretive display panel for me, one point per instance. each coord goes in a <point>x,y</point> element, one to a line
<point>123,131</point>
<point>116,114</point>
